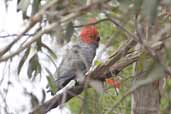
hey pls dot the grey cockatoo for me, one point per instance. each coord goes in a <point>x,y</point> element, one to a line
<point>77,61</point>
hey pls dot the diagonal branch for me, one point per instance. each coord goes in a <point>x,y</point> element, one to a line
<point>55,101</point>
<point>34,19</point>
<point>111,64</point>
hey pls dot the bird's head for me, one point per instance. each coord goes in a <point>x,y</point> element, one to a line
<point>89,34</point>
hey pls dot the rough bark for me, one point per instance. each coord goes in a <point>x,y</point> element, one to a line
<point>145,100</point>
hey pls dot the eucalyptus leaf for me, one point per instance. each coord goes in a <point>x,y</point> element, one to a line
<point>22,61</point>
<point>34,67</point>
<point>97,62</point>
<point>23,5</point>
<point>35,6</point>
<point>39,44</point>
<point>49,50</point>
<point>18,1</point>
<point>43,96</point>
<point>51,82</point>
<point>34,100</point>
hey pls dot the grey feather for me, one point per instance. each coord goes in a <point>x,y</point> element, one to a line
<point>77,59</point>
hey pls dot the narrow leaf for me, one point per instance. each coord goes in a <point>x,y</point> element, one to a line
<point>43,96</point>
<point>97,62</point>
<point>35,6</point>
<point>23,60</point>
<point>34,67</point>
<point>51,82</point>
<point>34,100</point>
<point>49,50</point>
<point>23,5</point>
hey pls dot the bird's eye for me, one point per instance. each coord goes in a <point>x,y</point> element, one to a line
<point>98,38</point>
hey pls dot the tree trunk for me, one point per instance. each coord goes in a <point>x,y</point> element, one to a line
<point>145,100</point>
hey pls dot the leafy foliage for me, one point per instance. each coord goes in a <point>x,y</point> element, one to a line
<point>23,60</point>
<point>34,67</point>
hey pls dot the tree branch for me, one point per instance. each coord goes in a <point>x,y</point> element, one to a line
<point>55,101</point>
<point>12,35</point>
<point>34,19</point>
<point>99,21</point>
<point>72,15</point>
<point>108,68</point>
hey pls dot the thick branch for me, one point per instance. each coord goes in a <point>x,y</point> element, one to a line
<point>55,101</point>
<point>115,67</point>
<point>99,72</point>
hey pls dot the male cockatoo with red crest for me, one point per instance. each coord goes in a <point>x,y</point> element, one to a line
<point>77,60</point>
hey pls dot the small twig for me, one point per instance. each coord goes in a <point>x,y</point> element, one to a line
<point>36,18</point>
<point>68,17</point>
<point>14,35</point>
<point>97,22</point>
<point>35,38</point>
<point>121,27</point>
<point>151,52</point>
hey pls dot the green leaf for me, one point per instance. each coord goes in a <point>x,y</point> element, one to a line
<point>69,31</point>
<point>35,6</point>
<point>34,67</point>
<point>34,100</point>
<point>39,44</point>
<point>18,1</point>
<point>23,5</point>
<point>22,61</point>
<point>137,5</point>
<point>49,50</point>
<point>43,96</point>
<point>97,62</point>
<point>51,82</point>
